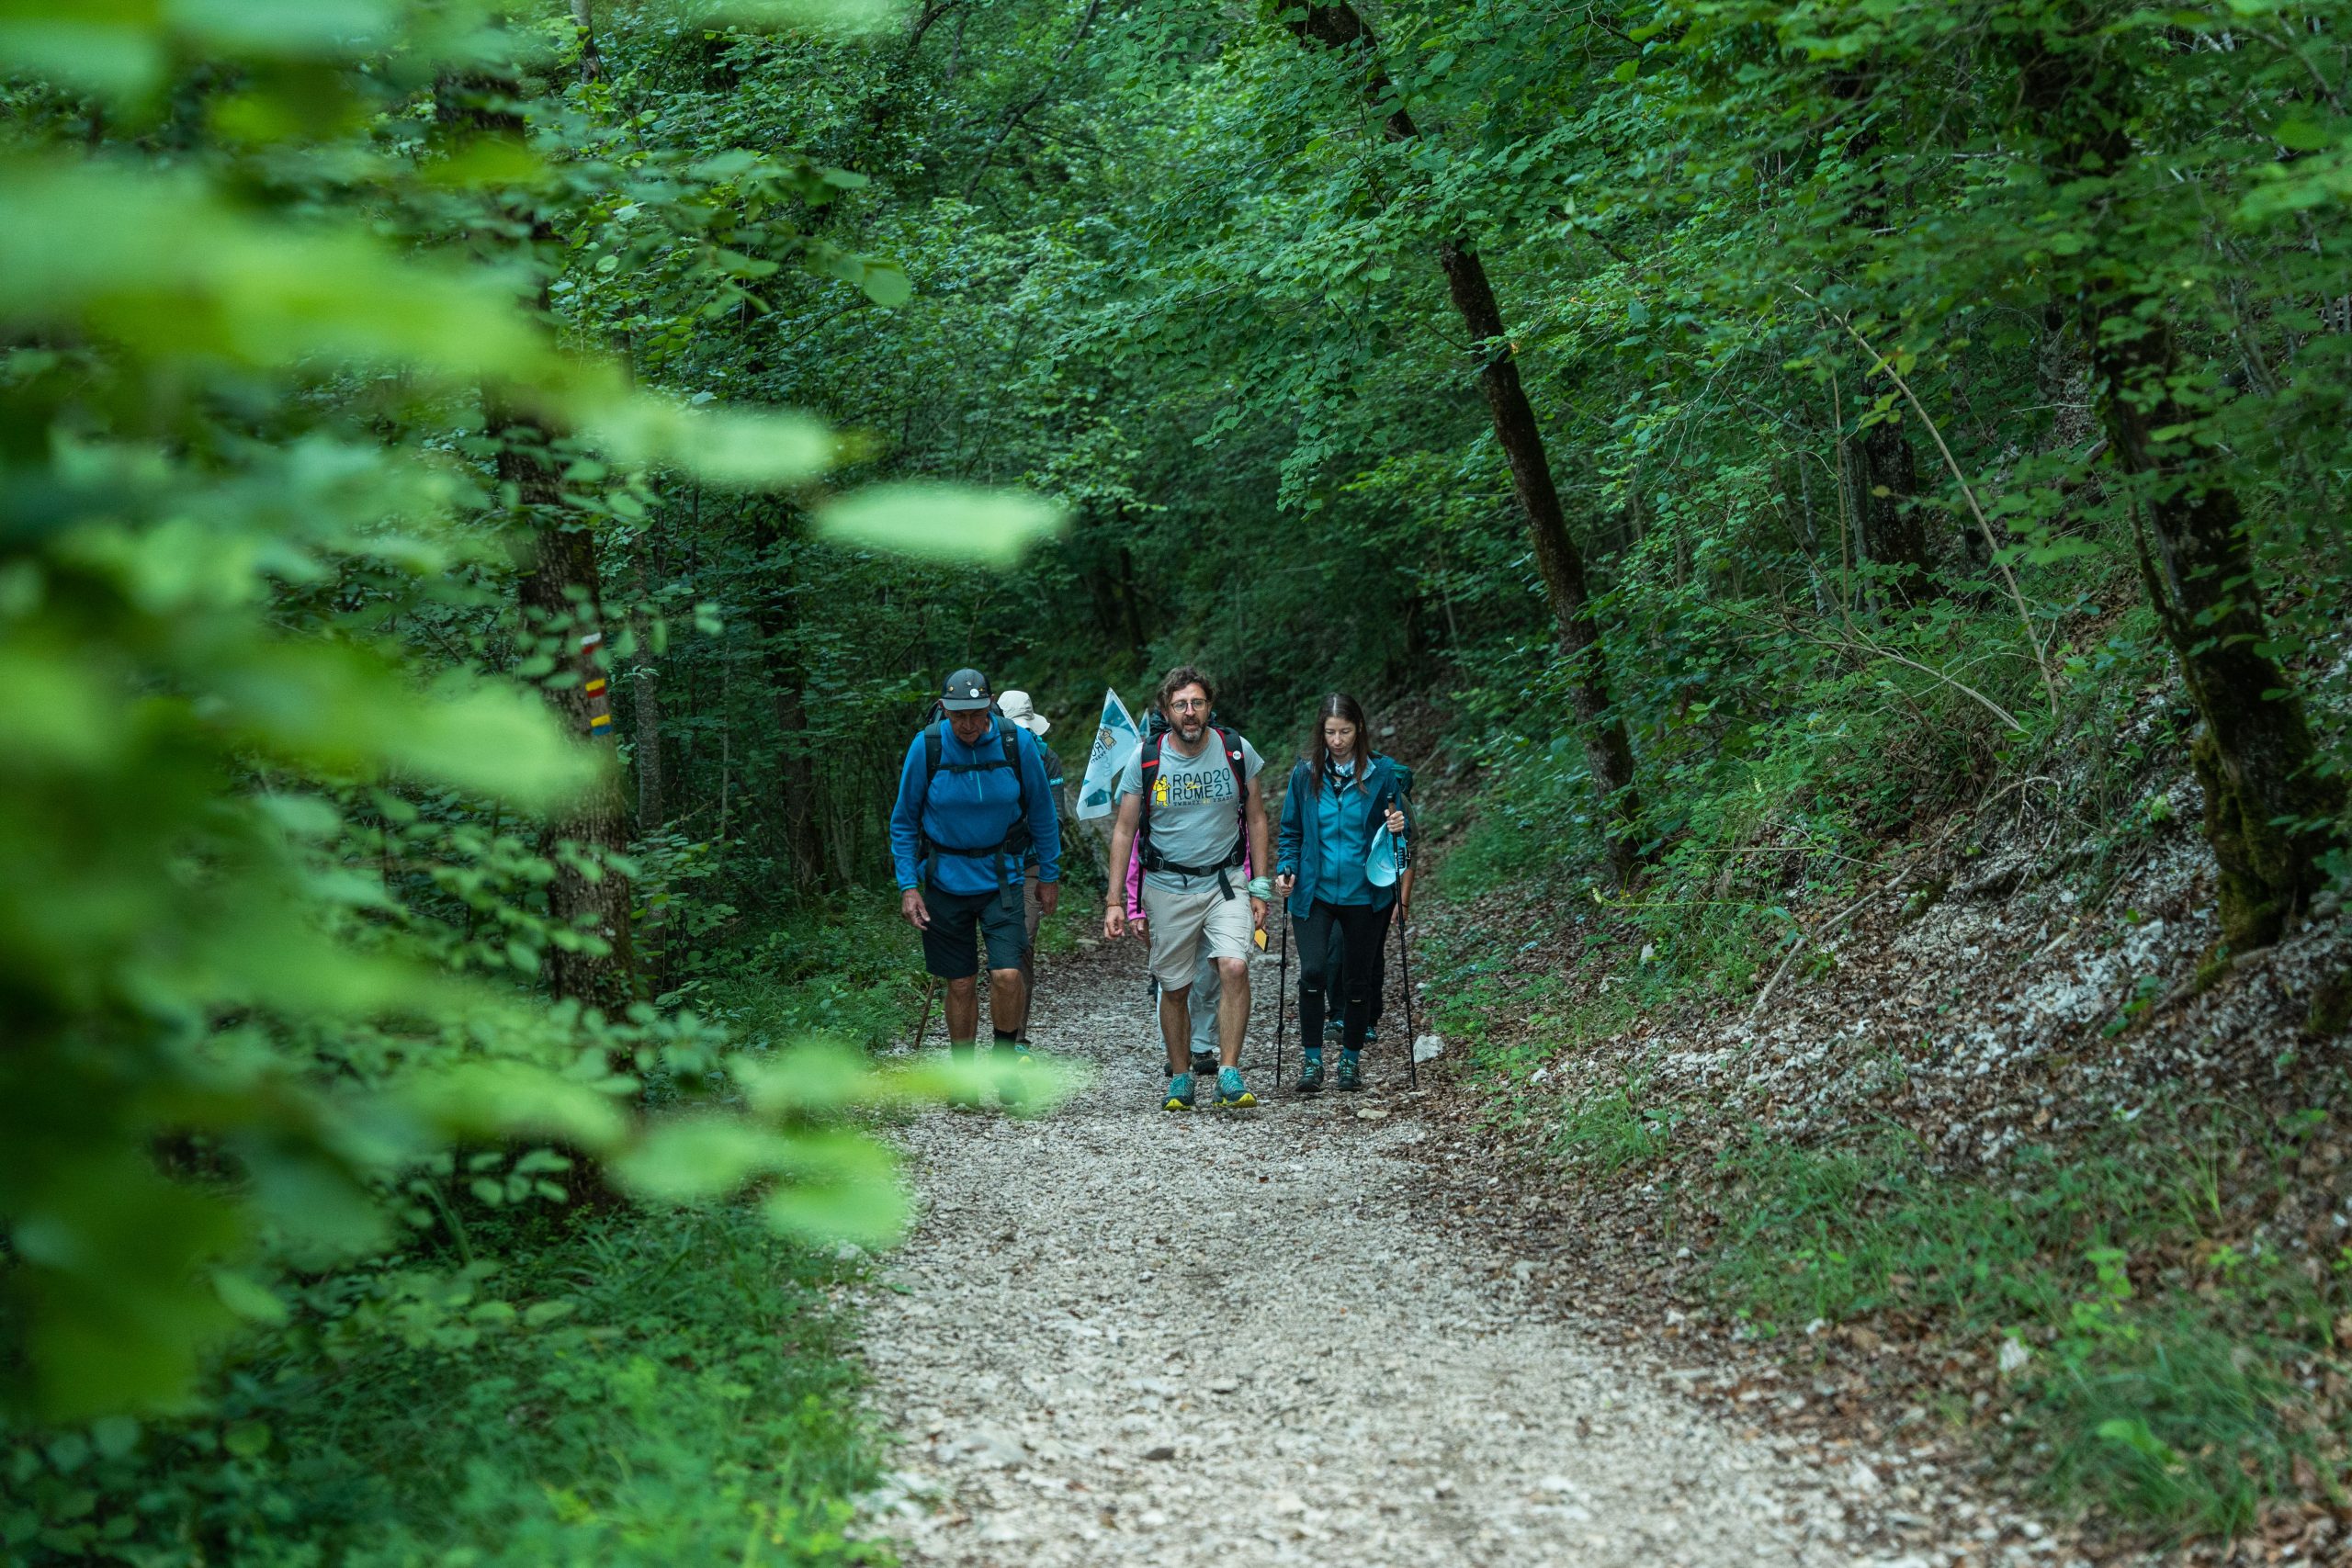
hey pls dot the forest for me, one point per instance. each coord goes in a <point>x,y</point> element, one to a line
<point>489,487</point>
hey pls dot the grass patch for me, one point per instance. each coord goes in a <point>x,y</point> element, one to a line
<point>644,1389</point>
<point>2156,1371</point>
<point>1613,1129</point>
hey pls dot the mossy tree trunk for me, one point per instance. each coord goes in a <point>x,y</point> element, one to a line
<point>2269,814</point>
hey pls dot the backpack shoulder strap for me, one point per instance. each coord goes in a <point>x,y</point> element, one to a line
<point>934,747</point>
<point>1147,767</point>
<point>1012,737</point>
<point>1239,764</point>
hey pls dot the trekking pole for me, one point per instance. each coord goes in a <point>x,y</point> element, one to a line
<point>1281,1001</point>
<point>1405,968</point>
<point>1029,1002</point>
<point>930,987</point>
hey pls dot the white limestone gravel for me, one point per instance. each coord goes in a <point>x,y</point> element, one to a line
<point>1123,1335</point>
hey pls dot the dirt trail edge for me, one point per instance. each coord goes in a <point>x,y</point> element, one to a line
<point>1123,1335</point>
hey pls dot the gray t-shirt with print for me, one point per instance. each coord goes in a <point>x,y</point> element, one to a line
<point>1196,816</point>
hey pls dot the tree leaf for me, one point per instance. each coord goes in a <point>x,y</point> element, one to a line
<point>941,522</point>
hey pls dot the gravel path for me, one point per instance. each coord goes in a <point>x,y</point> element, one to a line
<point>1121,1335</point>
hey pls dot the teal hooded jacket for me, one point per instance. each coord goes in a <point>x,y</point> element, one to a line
<point>1298,847</point>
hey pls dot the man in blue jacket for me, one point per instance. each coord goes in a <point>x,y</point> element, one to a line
<point>974,812</point>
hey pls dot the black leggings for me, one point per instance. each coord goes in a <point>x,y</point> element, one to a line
<point>1342,940</point>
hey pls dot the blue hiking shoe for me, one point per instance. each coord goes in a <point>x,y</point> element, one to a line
<point>1351,1071</point>
<point>1179,1093</point>
<point>1310,1072</point>
<point>1009,1089</point>
<point>1232,1094</point>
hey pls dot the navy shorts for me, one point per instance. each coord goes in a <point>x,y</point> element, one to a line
<point>951,945</point>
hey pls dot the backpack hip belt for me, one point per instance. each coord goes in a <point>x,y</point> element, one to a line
<point>1154,860</point>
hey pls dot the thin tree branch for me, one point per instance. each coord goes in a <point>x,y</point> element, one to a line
<point>2025,617</point>
<point>1011,121</point>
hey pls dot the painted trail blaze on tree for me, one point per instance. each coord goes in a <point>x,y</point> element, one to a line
<point>1609,753</point>
<point>560,594</point>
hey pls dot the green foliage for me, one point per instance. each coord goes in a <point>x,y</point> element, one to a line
<point>629,1390</point>
<point>286,450</point>
<point>362,356</point>
<point>2179,1407</point>
<point>845,970</point>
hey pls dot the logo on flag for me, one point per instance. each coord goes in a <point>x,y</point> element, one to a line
<point>1115,739</point>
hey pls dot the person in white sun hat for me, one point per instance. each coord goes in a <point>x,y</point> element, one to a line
<point>1017,707</point>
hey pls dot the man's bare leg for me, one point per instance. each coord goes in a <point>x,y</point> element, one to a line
<point>1176,1026</point>
<point>963,1011</point>
<point>1232,1008</point>
<point>1008,1002</point>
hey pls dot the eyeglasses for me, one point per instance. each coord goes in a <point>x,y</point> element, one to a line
<point>1187,705</point>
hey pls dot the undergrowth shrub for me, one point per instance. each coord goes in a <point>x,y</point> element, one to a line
<point>849,968</point>
<point>643,1389</point>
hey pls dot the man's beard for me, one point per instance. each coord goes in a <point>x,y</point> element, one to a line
<point>1192,729</point>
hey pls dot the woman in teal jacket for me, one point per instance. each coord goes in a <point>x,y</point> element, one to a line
<point>1340,796</point>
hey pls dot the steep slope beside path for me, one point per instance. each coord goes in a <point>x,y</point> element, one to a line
<point>1121,1335</point>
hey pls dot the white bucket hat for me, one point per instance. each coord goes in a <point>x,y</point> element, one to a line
<point>1016,706</point>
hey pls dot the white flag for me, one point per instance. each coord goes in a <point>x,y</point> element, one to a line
<point>1116,740</point>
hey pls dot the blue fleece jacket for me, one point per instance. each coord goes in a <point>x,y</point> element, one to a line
<point>1303,848</point>
<point>972,811</point>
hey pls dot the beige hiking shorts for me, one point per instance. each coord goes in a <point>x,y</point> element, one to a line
<point>1182,923</point>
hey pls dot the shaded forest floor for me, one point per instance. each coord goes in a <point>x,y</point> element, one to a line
<point>2007,1174</point>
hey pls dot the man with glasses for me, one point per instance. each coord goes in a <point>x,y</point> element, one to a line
<point>1190,805</point>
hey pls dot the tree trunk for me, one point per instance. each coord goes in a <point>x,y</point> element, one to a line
<point>773,613</point>
<point>645,698</point>
<point>592,62</point>
<point>2269,813</point>
<point>1893,532</point>
<point>1128,606</point>
<point>1608,753</point>
<point>2255,757</point>
<point>1889,529</point>
<point>562,597</point>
